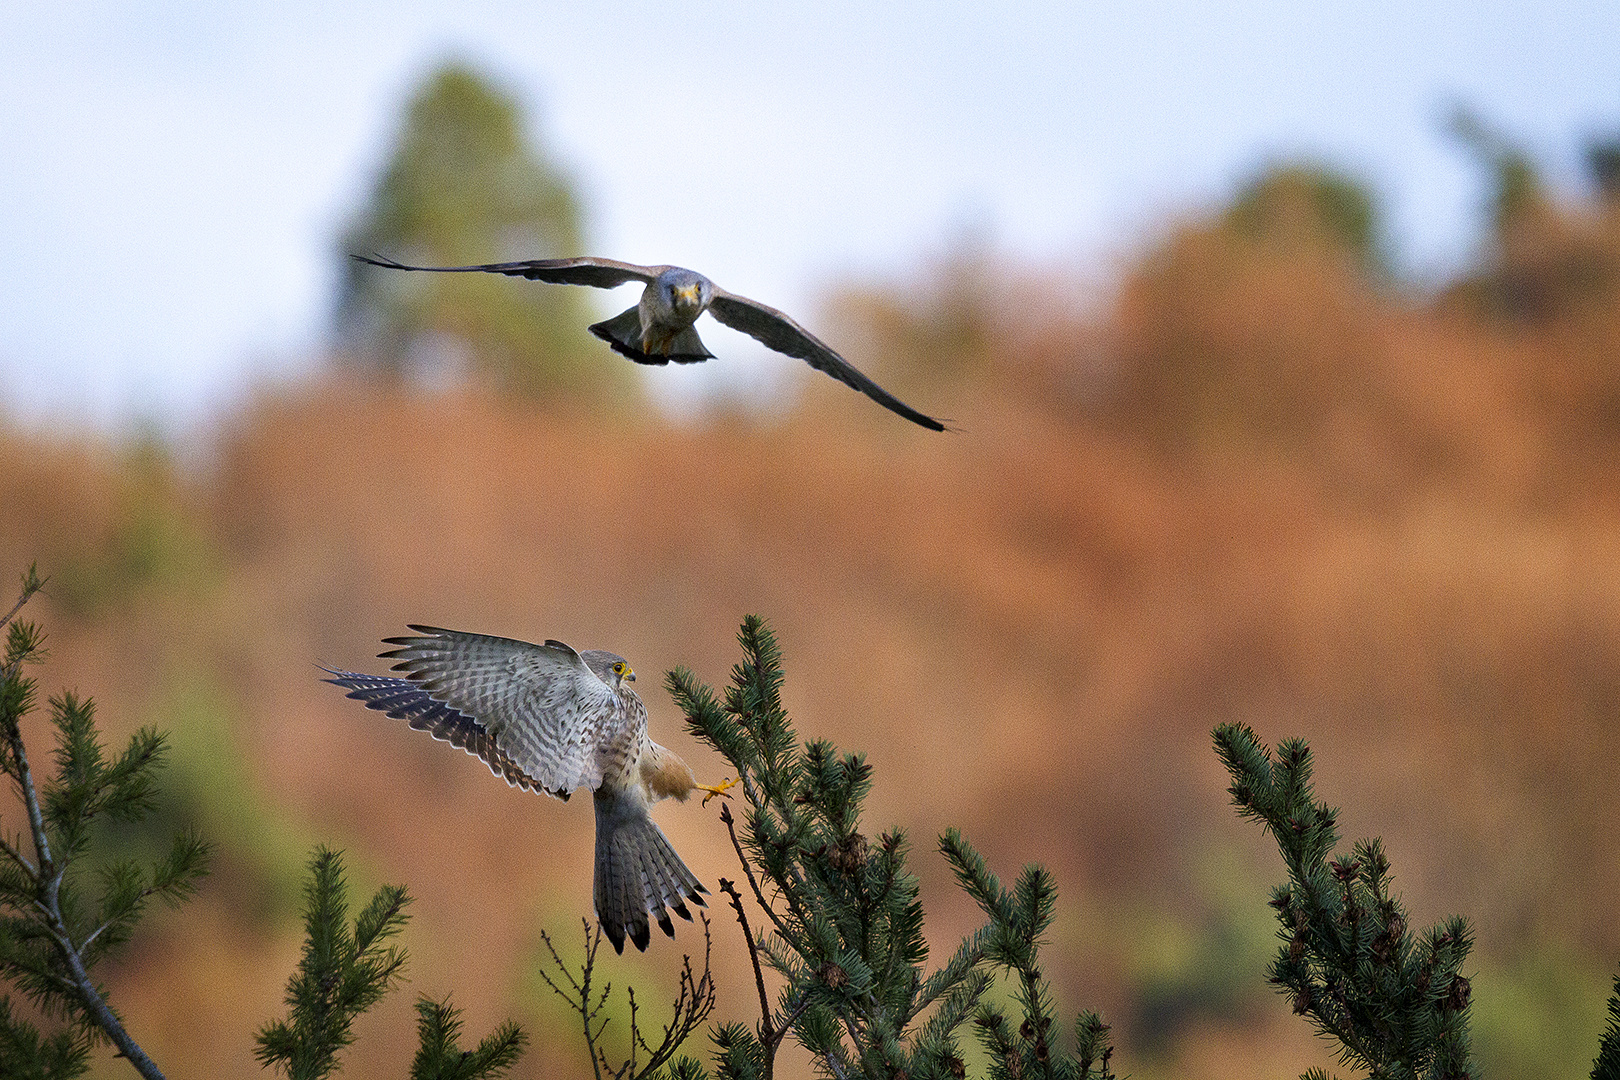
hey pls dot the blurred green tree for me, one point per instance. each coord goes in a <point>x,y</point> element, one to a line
<point>1550,259</point>
<point>1311,204</point>
<point>466,183</point>
<point>1603,166</point>
<point>1516,186</point>
<point>1256,328</point>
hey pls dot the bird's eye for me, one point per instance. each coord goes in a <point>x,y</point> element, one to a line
<point>618,669</point>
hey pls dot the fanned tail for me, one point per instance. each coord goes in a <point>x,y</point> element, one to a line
<point>638,873</point>
<point>623,332</point>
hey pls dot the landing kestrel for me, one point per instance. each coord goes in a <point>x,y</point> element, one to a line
<point>659,328</point>
<point>548,718</point>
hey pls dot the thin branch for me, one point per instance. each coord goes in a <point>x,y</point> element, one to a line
<point>98,1009</point>
<point>31,585</point>
<point>748,870</point>
<point>694,1001</point>
<point>18,858</point>
<point>792,1017</point>
<point>48,877</point>
<point>635,1037</point>
<point>584,996</point>
<point>770,1033</point>
<point>765,1028</point>
<point>36,820</point>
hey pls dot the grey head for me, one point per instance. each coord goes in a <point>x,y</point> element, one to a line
<point>611,668</point>
<point>682,294</point>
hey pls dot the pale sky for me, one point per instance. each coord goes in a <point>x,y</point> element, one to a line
<point>173,175</point>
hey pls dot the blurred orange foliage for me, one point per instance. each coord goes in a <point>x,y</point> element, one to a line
<point>1256,484</point>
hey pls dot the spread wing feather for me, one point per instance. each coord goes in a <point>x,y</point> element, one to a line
<point>600,273</point>
<point>544,707</point>
<point>779,332</point>
<point>401,699</point>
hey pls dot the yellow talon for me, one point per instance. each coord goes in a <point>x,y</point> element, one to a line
<point>716,789</point>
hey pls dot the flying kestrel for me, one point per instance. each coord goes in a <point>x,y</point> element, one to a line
<point>547,718</point>
<point>659,328</point>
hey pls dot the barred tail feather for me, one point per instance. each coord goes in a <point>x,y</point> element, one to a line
<point>638,873</point>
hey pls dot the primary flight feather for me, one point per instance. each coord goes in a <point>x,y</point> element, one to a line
<point>659,328</point>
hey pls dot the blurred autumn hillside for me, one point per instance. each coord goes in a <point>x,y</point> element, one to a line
<point>1259,482</point>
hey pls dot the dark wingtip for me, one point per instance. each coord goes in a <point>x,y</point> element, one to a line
<point>665,925</point>
<point>615,934</point>
<point>376,259</point>
<point>640,935</point>
<point>924,420</point>
<point>681,910</point>
<point>352,681</point>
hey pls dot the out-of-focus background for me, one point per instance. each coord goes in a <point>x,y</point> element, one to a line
<point>1285,350</point>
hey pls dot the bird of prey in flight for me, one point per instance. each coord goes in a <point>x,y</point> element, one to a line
<point>659,328</point>
<point>548,718</point>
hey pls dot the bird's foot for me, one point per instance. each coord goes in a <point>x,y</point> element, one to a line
<point>716,789</point>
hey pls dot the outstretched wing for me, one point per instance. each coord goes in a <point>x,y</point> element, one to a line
<point>401,699</point>
<point>600,273</point>
<point>544,707</point>
<point>777,331</point>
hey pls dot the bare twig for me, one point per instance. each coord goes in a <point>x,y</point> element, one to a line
<point>694,1001</point>
<point>580,999</point>
<point>771,1033</point>
<point>748,869</point>
<point>766,1030</point>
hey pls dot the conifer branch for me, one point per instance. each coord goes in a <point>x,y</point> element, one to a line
<point>17,857</point>
<point>46,960</point>
<point>847,917</point>
<point>1396,1006</point>
<point>344,971</point>
<point>31,584</point>
<point>1607,1064</point>
<point>441,1058</point>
